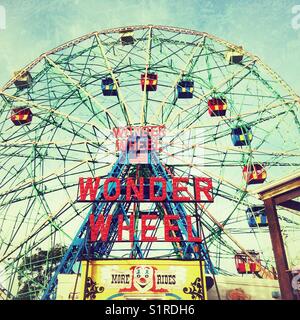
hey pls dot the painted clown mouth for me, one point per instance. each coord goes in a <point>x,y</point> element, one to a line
<point>142,283</point>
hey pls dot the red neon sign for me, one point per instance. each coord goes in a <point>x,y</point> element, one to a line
<point>152,189</point>
<point>100,228</point>
<point>142,138</point>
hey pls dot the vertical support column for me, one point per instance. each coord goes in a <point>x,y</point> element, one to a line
<point>284,277</point>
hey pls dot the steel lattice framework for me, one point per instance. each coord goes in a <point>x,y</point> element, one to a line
<point>70,137</point>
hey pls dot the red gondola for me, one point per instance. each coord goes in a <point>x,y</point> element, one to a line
<point>21,116</point>
<point>151,81</point>
<point>217,107</point>
<point>254,173</point>
<point>245,265</point>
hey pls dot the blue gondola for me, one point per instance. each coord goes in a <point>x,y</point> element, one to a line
<point>241,136</point>
<point>109,88</point>
<point>257,217</point>
<point>185,89</point>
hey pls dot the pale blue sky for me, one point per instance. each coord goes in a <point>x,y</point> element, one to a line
<point>262,27</point>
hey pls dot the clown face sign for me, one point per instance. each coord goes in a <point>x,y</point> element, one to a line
<point>144,279</point>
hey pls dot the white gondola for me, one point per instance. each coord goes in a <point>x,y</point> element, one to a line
<point>127,37</point>
<point>235,56</point>
<point>23,80</point>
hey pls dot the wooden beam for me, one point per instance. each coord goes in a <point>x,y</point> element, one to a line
<point>278,188</point>
<point>292,194</point>
<point>291,204</point>
<point>284,277</point>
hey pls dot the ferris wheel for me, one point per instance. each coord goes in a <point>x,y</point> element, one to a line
<point>226,115</point>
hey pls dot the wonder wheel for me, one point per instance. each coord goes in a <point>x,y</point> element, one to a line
<point>226,114</point>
